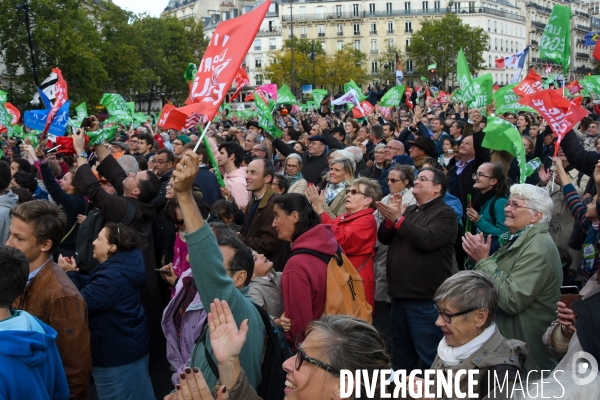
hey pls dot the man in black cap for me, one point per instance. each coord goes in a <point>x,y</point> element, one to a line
<point>314,160</point>
<point>339,134</point>
<point>420,149</point>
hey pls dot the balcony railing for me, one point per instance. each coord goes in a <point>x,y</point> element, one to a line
<point>534,42</point>
<point>363,14</point>
<point>582,14</point>
<point>408,30</point>
<point>390,31</point>
<point>321,34</point>
<point>267,32</point>
<point>374,51</point>
<point>340,33</point>
<point>356,33</point>
<point>539,8</point>
<point>372,32</point>
<point>583,28</point>
<point>272,47</point>
<point>582,55</point>
<point>303,35</point>
<point>538,24</point>
<point>257,48</point>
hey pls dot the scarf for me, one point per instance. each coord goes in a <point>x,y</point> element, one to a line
<point>332,190</point>
<point>510,238</point>
<point>295,178</point>
<point>483,198</point>
<point>452,356</point>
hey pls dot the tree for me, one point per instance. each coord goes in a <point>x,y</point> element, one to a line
<point>387,64</point>
<point>439,40</point>
<point>345,64</point>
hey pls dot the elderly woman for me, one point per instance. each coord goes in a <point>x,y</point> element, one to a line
<point>293,171</point>
<point>526,270</point>
<point>332,199</point>
<point>467,303</point>
<point>356,230</point>
<point>400,180</point>
<point>378,164</point>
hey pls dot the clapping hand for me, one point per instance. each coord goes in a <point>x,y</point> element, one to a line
<point>317,200</point>
<point>67,263</point>
<point>476,247</point>
<point>392,211</point>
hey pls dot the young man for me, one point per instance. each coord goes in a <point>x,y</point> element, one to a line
<point>146,142</point>
<point>31,366</point>
<point>36,230</point>
<point>230,158</point>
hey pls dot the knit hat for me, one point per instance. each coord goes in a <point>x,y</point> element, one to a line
<point>184,139</point>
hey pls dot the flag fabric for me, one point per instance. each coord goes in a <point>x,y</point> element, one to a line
<point>516,60</point>
<point>555,44</point>
<point>386,112</point>
<point>117,108</point>
<point>353,85</point>
<point>574,87</point>
<point>6,117</point>
<point>241,80</point>
<point>102,135</point>
<point>479,92</point>
<point>591,38</point>
<point>575,113</point>
<point>192,120</point>
<point>36,119</point>
<point>518,63</point>
<point>285,96</point>
<point>350,97</point>
<point>213,161</point>
<point>223,56</point>
<point>318,96</point>
<point>399,73</point>
<point>81,113</point>
<point>591,83</point>
<point>270,89</point>
<point>364,108</point>
<point>457,95</point>
<point>548,69</point>
<point>597,51</point>
<point>47,87</point>
<point>265,118</point>
<point>408,93</point>
<point>462,70</point>
<point>61,96</point>
<point>551,106</point>
<point>393,96</point>
<point>531,84</point>
<point>14,112</point>
<point>500,63</point>
<point>503,136</point>
<point>506,100</point>
<point>190,73</point>
<point>432,66</point>
<point>171,118</point>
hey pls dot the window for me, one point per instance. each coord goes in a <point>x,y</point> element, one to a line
<point>501,27</point>
<point>388,8</point>
<point>373,28</point>
<point>357,45</point>
<point>407,42</point>
<point>273,8</point>
<point>407,7</point>
<point>456,7</point>
<point>511,45</point>
<point>501,44</point>
<point>409,66</point>
<point>425,5</point>
<point>495,44</point>
<point>258,63</point>
<point>257,44</point>
<point>272,44</point>
<point>495,26</point>
<point>271,26</point>
<point>489,25</point>
<point>408,27</point>
<point>471,6</point>
<point>259,79</point>
<point>338,11</point>
<point>374,46</point>
<point>436,5</point>
<point>357,29</point>
<point>356,10</point>
<point>302,13</point>
<point>490,61</point>
<point>372,9</point>
<point>340,30</point>
<point>320,12</point>
<point>390,42</point>
<point>321,30</point>
<point>374,66</point>
<point>390,27</point>
<point>340,45</point>
<point>303,31</point>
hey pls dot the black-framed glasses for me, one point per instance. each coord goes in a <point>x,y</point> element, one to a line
<point>177,144</point>
<point>479,175</point>
<point>354,192</point>
<point>301,357</point>
<point>448,317</point>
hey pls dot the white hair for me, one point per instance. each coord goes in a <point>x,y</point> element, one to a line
<point>356,153</point>
<point>129,164</point>
<point>536,198</point>
<point>345,154</point>
<point>295,156</point>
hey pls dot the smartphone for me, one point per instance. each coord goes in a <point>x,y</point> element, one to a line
<point>569,290</point>
<point>86,123</point>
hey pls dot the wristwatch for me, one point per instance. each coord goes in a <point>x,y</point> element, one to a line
<point>82,154</point>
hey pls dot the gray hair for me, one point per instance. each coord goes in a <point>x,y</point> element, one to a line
<point>129,164</point>
<point>469,289</point>
<point>348,166</point>
<point>344,154</point>
<point>295,157</point>
<point>536,198</point>
<point>380,146</point>
<point>356,153</point>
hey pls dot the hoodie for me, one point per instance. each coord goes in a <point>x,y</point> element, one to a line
<point>118,330</point>
<point>304,280</point>
<point>7,201</point>
<point>31,366</point>
<point>235,182</point>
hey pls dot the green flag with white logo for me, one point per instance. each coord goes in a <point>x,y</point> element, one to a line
<point>502,135</point>
<point>393,96</point>
<point>555,44</point>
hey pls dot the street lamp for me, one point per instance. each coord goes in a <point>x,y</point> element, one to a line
<point>25,7</point>
<point>292,39</point>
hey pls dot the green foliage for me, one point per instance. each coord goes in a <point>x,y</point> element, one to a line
<point>439,40</point>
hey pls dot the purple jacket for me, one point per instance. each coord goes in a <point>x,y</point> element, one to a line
<point>179,349</point>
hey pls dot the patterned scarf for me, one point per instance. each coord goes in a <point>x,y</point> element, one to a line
<point>295,178</point>
<point>510,238</point>
<point>332,190</point>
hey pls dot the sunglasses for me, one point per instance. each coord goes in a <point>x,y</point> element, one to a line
<point>301,357</point>
<point>394,180</point>
<point>354,192</point>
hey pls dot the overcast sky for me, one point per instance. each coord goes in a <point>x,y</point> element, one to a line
<point>152,7</point>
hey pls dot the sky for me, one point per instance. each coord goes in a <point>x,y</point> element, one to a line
<point>152,7</point>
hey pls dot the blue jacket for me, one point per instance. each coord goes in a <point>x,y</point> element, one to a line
<point>30,366</point>
<point>118,330</point>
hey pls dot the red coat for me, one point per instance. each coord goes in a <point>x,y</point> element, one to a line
<point>357,235</point>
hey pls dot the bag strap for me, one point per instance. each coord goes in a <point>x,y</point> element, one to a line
<point>492,210</point>
<point>71,231</point>
<point>129,214</point>
<point>202,339</point>
<point>321,256</point>
<point>363,264</point>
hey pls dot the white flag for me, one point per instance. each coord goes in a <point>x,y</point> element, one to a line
<point>48,88</point>
<point>349,97</point>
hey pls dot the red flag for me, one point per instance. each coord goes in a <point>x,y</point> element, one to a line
<point>192,121</point>
<point>241,80</point>
<point>597,51</point>
<point>500,63</point>
<point>249,97</point>
<point>574,87</point>
<point>61,97</point>
<point>531,84</point>
<point>14,112</point>
<point>407,94</point>
<point>551,106</point>
<point>66,144</point>
<point>575,114</point>
<point>171,118</point>
<point>366,106</point>
<point>221,62</point>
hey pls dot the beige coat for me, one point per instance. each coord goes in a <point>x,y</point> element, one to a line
<point>298,186</point>
<point>338,205</point>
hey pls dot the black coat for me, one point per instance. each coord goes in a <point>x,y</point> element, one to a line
<point>209,186</point>
<point>311,166</point>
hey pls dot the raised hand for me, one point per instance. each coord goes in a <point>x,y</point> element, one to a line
<point>186,172</point>
<point>226,339</point>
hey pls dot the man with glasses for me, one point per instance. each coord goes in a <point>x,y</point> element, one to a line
<point>163,168</point>
<point>134,144</point>
<point>420,257</point>
<point>179,145</point>
<point>251,140</point>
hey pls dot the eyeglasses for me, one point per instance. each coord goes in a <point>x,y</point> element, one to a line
<point>135,141</point>
<point>354,192</point>
<point>301,357</point>
<point>513,206</point>
<point>177,144</point>
<point>479,175</point>
<point>448,317</point>
<point>393,148</point>
<point>394,180</point>
<point>423,179</point>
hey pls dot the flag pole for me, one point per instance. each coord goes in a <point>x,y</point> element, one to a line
<point>202,136</point>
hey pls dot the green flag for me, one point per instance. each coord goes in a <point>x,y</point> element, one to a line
<point>102,135</point>
<point>462,71</point>
<point>285,96</point>
<point>82,113</point>
<point>190,73</point>
<point>318,96</point>
<point>507,101</point>
<point>5,115</point>
<point>502,135</point>
<point>213,161</point>
<point>117,108</point>
<point>432,66</point>
<point>479,92</point>
<point>555,44</point>
<point>457,96</point>
<point>33,139</point>
<point>591,83</point>
<point>353,85</point>
<point>265,119</point>
<point>393,96</point>
<point>131,105</point>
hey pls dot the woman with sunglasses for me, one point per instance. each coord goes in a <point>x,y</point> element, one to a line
<point>120,339</point>
<point>467,303</point>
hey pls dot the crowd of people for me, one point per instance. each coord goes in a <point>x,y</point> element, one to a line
<point>119,255</point>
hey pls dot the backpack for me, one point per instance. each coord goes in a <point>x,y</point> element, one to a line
<point>277,351</point>
<point>88,232</point>
<point>345,288</point>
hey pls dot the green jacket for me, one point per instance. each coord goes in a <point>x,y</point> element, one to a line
<point>486,223</point>
<point>528,276</point>
<point>212,281</point>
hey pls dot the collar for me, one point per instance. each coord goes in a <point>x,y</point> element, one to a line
<point>461,163</point>
<point>35,272</point>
